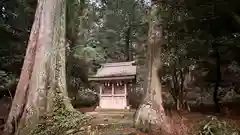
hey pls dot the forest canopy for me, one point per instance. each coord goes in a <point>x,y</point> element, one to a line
<point>186,52</point>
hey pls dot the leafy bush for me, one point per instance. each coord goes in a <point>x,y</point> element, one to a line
<point>85,97</point>
<point>8,83</point>
<point>59,123</point>
<point>61,120</point>
<point>214,126</point>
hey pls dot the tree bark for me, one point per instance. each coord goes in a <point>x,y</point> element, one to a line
<point>218,78</point>
<point>43,75</point>
<point>152,111</point>
<point>128,50</point>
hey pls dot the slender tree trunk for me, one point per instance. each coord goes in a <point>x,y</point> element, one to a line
<point>218,79</point>
<point>183,91</point>
<point>128,51</point>
<point>128,35</point>
<point>152,112</point>
<point>43,76</point>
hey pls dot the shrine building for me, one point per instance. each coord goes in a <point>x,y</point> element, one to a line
<point>115,80</point>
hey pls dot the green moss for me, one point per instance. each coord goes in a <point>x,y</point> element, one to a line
<point>60,120</point>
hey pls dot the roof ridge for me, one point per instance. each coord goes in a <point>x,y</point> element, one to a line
<point>118,64</point>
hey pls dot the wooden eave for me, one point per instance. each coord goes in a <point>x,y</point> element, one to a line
<point>129,77</point>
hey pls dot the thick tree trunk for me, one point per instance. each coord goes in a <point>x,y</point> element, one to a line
<point>151,112</point>
<point>43,76</point>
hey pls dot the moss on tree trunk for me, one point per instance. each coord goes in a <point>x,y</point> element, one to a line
<point>42,85</point>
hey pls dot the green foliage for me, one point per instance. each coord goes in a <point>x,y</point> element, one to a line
<point>77,82</point>
<point>8,83</point>
<point>91,53</point>
<point>75,10</point>
<point>85,97</point>
<point>7,80</point>
<point>213,126</point>
<point>77,72</point>
<point>106,29</point>
<point>16,17</point>
<point>61,119</point>
<point>193,35</point>
<point>60,122</point>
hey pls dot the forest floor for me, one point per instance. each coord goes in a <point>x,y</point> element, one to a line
<point>121,122</point>
<point>113,122</point>
<point>122,126</point>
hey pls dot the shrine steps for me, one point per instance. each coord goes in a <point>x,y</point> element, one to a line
<point>114,110</point>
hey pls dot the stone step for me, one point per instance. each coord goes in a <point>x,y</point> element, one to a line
<point>114,116</point>
<point>115,131</point>
<point>111,129</point>
<point>111,113</point>
<point>115,125</point>
<point>113,119</point>
<point>114,110</point>
<point>117,113</point>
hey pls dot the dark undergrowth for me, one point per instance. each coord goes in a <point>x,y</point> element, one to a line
<point>61,121</point>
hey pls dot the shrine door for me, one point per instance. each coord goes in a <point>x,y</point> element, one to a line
<point>114,98</point>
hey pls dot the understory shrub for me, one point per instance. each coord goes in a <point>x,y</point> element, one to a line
<point>60,123</point>
<point>214,126</point>
<point>85,98</point>
<point>61,120</point>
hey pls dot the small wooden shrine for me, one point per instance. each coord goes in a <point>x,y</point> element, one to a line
<point>115,80</point>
